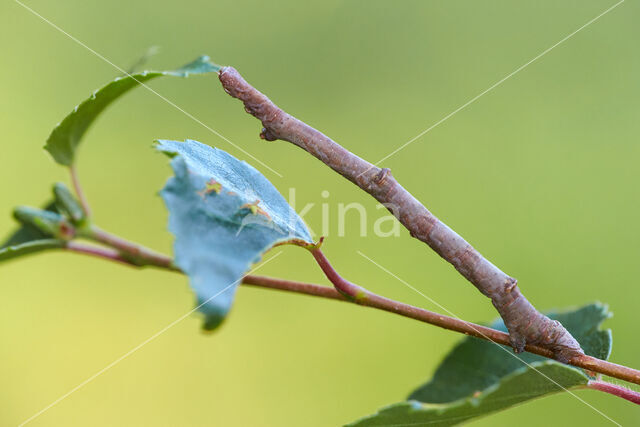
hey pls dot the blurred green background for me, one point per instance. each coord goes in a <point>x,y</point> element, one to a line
<point>541,175</point>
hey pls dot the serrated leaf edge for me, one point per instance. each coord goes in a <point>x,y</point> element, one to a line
<point>417,406</point>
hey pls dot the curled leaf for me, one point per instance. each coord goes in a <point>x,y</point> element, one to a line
<point>224,215</point>
<point>66,136</point>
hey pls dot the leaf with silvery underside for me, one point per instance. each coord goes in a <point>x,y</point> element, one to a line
<point>479,377</point>
<point>224,215</point>
<point>66,136</point>
<point>29,239</point>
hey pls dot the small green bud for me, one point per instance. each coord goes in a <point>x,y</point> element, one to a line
<point>50,223</point>
<point>68,204</point>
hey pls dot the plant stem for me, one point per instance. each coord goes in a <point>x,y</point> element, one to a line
<point>135,253</point>
<point>106,253</point>
<point>348,289</point>
<point>446,322</point>
<point>616,390</point>
<point>350,292</point>
<point>79,192</point>
<point>526,325</point>
<point>361,296</point>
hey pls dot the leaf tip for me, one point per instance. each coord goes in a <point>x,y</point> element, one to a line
<point>162,146</point>
<point>211,323</point>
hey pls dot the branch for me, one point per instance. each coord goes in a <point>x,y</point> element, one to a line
<point>450,323</point>
<point>525,324</point>
<point>616,390</point>
<point>349,292</point>
<point>136,254</point>
<point>106,253</point>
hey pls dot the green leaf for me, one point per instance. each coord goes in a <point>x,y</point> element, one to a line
<point>67,203</point>
<point>28,232</point>
<point>29,239</point>
<point>45,228</point>
<point>142,60</point>
<point>14,251</point>
<point>517,387</point>
<point>224,215</point>
<point>65,137</point>
<point>478,377</point>
<point>49,223</point>
<point>474,364</point>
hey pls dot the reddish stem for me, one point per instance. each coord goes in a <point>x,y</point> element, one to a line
<point>293,286</point>
<point>342,285</point>
<point>362,296</point>
<point>616,390</point>
<point>350,292</point>
<point>136,254</point>
<point>105,253</point>
<point>79,192</point>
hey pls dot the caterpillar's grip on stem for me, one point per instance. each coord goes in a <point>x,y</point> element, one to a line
<point>525,324</point>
